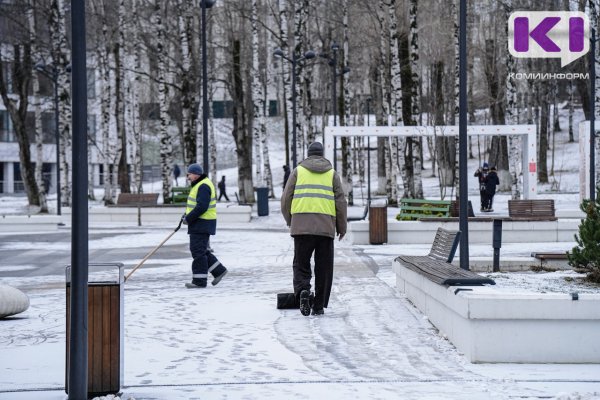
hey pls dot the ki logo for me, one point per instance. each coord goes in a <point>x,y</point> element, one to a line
<point>549,34</point>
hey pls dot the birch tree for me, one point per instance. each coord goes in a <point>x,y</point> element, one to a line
<point>17,65</point>
<point>417,152</point>
<point>166,145</point>
<point>61,59</point>
<point>514,141</point>
<point>39,134</point>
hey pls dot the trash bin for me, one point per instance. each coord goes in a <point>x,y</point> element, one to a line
<point>262,201</point>
<point>105,329</point>
<point>378,230</point>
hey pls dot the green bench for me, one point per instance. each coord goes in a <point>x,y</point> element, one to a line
<point>179,195</point>
<point>413,209</point>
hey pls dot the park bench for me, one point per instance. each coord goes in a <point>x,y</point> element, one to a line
<point>536,210</point>
<point>411,209</point>
<point>437,267</point>
<point>179,194</point>
<point>137,199</point>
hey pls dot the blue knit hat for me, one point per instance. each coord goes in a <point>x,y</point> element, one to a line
<point>195,169</point>
<point>485,165</point>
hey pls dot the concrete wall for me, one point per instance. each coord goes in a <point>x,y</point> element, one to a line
<point>419,232</point>
<point>489,325</point>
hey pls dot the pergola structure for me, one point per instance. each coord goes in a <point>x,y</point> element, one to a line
<point>527,132</point>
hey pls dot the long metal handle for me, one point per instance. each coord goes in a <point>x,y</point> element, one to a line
<point>153,251</point>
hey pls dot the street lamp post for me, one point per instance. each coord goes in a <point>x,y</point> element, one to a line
<point>368,153</point>
<point>53,75</point>
<point>294,60</point>
<point>334,106</point>
<point>592,168</point>
<point>205,4</point>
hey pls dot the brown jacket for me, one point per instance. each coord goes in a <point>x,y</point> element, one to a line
<point>310,223</point>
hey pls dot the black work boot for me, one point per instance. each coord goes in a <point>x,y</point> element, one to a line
<point>305,302</point>
<point>196,284</point>
<point>219,277</point>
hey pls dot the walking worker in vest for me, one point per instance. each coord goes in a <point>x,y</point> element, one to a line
<point>314,207</point>
<point>201,218</point>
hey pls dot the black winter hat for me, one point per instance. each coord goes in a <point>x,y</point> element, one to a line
<point>195,169</point>
<point>315,149</point>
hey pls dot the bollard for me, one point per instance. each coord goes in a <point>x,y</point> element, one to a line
<point>497,243</point>
<point>105,332</point>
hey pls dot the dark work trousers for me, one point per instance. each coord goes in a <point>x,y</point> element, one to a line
<point>484,199</point>
<point>204,260</point>
<point>322,246</point>
<point>221,194</point>
<point>490,200</point>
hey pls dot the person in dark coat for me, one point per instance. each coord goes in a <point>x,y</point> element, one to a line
<point>481,175</point>
<point>286,174</point>
<point>222,190</point>
<point>176,173</point>
<point>201,218</point>
<point>314,207</point>
<point>491,182</point>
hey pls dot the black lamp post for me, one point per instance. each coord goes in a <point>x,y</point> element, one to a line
<point>368,152</point>
<point>53,75</point>
<point>592,59</point>
<point>205,4</point>
<point>334,74</point>
<point>294,60</point>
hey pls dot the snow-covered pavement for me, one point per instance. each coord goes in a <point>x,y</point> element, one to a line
<point>230,342</point>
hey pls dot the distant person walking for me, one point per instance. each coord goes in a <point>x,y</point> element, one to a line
<point>201,218</point>
<point>314,207</point>
<point>286,174</point>
<point>222,189</point>
<point>481,175</point>
<point>491,182</point>
<point>176,173</point>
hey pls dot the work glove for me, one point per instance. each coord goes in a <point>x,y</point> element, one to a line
<point>183,220</point>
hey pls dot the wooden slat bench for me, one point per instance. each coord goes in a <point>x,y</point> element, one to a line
<point>550,256</point>
<point>179,194</point>
<point>536,210</point>
<point>137,199</point>
<point>437,267</point>
<point>411,209</point>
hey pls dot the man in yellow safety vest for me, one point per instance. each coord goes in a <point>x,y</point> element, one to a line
<point>201,218</point>
<point>314,207</point>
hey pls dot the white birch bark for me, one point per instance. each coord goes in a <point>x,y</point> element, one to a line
<point>414,93</point>
<point>347,170</point>
<point>300,8</point>
<point>39,134</point>
<point>257,100</point>
<point>286,70</point>
<point>397,145</point>
<point>514,141</point>
<point>166,146</point>
<point>61,60</point>
<point>384,182</point>
<point>133,79</point>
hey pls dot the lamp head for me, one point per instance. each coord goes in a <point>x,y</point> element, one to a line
<point>335,46</point>
<point>345,70</point>
<point>208,3</point>
<point>278,53</point>
<point>309,54</point>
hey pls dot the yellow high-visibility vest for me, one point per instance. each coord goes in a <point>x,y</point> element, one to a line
<point>211,212</point>
<point>314,193</point>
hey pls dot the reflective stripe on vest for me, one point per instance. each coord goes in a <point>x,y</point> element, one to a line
<point>211,212</point>
<point>314,193</point>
